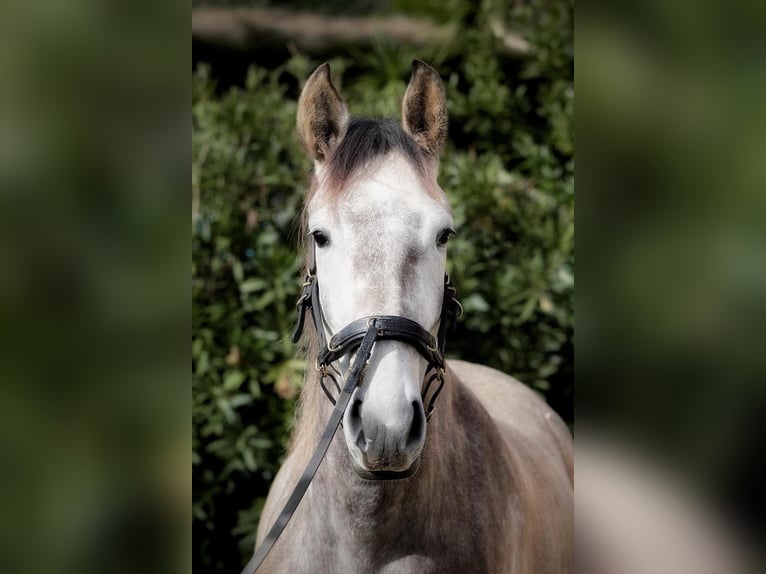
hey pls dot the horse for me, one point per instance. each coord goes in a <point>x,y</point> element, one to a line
<point>476,480</point>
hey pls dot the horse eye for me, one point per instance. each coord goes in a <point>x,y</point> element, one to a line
<point>320,238</point>
<point>444,236</point>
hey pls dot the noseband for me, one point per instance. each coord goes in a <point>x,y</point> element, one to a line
<point>359,337</point>
<point>385,327</point>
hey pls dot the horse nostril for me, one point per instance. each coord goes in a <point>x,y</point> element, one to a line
<point>418,427</point>
<point>356,411</point>
<point>354,423</point>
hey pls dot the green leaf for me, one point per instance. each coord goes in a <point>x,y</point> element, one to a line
<point>252,284</point>
<point>232,380</point>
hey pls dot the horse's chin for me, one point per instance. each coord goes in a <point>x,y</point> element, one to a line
<point>367,474</point>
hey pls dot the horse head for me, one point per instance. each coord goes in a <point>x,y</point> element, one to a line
<point>377,227</point>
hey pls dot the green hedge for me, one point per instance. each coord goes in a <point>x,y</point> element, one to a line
<point>509,173</point>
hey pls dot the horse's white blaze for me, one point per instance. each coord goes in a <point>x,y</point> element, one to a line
<point>383,259</point>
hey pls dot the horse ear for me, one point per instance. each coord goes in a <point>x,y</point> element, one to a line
<point>322,114</point>
<point>424,109</point>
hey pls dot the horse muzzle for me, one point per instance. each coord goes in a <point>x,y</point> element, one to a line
<point>383,446</point>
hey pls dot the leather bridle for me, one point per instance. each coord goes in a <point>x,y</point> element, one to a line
<point>359,336</point>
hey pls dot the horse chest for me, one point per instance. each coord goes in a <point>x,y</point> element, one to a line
<point>340,558</point>
<point>398,543</point>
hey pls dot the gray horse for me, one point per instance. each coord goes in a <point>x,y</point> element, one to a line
<point>485,484</point>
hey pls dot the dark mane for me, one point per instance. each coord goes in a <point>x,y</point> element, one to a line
<point>367,140</point>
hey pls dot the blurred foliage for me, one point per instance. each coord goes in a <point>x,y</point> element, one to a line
<point>324,6</point>
<point>509,174</point>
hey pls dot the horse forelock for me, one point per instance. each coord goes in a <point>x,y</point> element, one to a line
<point>366,144</point>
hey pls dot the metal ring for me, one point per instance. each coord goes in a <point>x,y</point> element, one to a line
<point>309,280</point>
<point>322,369</point>
<point>460,307</point>
<point>331,349</point>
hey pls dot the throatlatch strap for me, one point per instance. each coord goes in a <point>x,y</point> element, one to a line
<point>362,356</point>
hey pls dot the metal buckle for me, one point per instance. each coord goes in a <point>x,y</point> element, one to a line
<point>301,300</point>
<point>434,348</point>
<point>306,294</point>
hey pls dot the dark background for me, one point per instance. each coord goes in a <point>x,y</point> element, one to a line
<point>95,315</point>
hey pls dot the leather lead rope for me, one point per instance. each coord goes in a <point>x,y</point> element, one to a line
<point>357,371</point>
